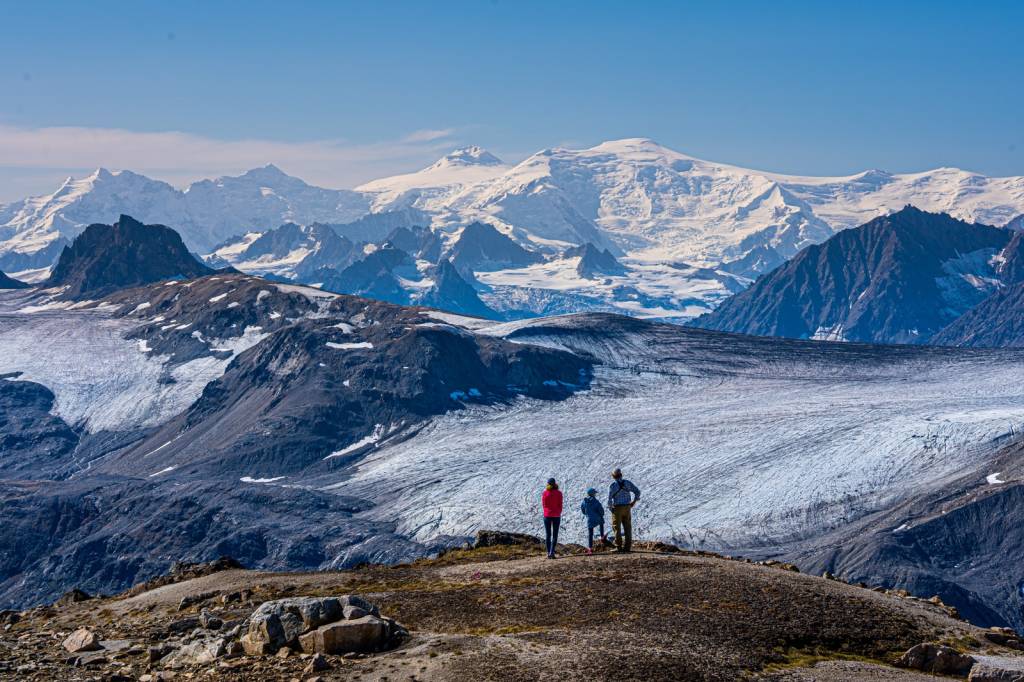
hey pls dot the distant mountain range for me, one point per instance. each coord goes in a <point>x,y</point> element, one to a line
<point>686,233</point>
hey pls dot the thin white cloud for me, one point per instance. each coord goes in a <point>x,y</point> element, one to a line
<point>429,135</point>
<point>182,157</point>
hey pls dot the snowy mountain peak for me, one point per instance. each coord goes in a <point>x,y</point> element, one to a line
<point>468,156</point>
<point>267,173</point>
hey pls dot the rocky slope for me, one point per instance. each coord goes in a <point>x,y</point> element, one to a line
<point>105,258</point>
<point>996,322</point>
<point>500,613</point>
<point>229,380</point>
<point>897,279</point>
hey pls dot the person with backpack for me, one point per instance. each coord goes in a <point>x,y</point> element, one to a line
<point>622,495</point>
<point>551,503</point>
<point>594,513</point>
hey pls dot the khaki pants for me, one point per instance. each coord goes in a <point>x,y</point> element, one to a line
<point>622,518</point>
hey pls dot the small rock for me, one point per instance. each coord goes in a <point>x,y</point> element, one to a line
<point>317,664</point>
<point>72,597</point>
<point>82,639</point>
<point>283,652</point>
<point>208,621</point>
<point>936,658</point>
<point>183,625</point>
<point>192,599</point>
<point>196,653</point>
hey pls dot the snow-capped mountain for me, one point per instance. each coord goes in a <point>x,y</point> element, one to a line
<point>899,278</point>
<point>436,187</point>
<point>206,213</point>
<point>656,204</point>
<point>686,231</point>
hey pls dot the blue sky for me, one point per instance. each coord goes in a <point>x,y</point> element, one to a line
<point>339,93</point>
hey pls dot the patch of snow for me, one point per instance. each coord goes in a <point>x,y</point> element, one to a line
<point>378,432</point>
<point>162,471</point>
<point>219,297</point>
<point>348,346</point>
<point>993,479</point>
<point>250,479</point>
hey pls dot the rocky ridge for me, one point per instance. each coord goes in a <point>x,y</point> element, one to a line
<point>497,611</point>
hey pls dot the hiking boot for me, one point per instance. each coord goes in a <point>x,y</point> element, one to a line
<point>590,551</point>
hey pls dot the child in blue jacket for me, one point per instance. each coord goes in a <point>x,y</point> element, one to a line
<point>594,512</point>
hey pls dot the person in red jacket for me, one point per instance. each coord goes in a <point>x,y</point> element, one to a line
<point>551,502</point>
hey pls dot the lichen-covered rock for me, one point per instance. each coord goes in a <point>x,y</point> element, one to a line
<point>81,640</point>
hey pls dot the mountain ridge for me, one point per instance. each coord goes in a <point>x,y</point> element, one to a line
<point>900,278</point>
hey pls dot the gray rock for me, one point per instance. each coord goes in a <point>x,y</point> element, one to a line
<point>354,612</point>
<point>198,652</point>
<point>209,621</point>
<point>936,658</point>
<point>317,664</point>
<point>362,634</point>
<point>282,622</point>
<point>80,640</point>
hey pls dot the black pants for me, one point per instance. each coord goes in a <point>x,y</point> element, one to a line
<point>551,524</point>
<point>590,538</point>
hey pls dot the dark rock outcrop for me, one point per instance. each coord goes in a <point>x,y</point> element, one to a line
<point>897,279</point>
<point>453,293</point>
<point>373,277</point>
<point>482,247</point>
<point>33,441</point>
<point>327,249</point>
<point>105,258</point>
<point>594,261</point>
<point>996,322</point>
<point>11,283</point>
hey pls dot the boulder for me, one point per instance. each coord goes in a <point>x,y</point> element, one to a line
<point>936,658</point>
<point>361,634</point>
<point>299,621</point>
<point>495,538</point>
<point>81,640</point>
<point>983,672</point>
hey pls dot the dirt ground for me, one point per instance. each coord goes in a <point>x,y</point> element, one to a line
<point>506,613</point>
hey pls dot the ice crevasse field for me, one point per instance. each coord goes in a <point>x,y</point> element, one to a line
<point>734,442</point>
